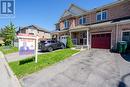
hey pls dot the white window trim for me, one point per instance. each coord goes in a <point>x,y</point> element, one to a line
<point>101,13</point>
<point>106,15</point>
<point>123,32</point>
<point>98,14</point>
<point>81,18</point>
<point>66,23</point>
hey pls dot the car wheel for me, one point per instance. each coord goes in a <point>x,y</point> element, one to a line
<point>62,46</point>
<point>50,49</point>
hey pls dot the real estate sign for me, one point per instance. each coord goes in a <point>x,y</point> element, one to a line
<point>28,44</point>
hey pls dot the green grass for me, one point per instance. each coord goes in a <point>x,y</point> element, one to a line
<point>8,51</point>
<point>44,60</point>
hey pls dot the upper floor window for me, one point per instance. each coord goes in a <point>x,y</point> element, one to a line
<point>82,20</point>
<point>57,27</point>
<point>66,24</point>
<point>101,16</point>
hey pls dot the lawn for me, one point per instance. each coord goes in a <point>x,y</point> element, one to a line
<point>8,50</point>
<point>44,60</point>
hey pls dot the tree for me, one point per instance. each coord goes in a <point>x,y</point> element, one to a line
<point>9,33</point>
<point>1,31</point>
<point>69,43</point>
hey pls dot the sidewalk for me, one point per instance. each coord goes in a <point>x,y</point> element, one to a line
<point>15,56</point>
<point>7,78</point>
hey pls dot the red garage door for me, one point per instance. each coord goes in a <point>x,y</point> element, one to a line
<point>102,41</point>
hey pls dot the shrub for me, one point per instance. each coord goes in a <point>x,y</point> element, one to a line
<point>26,61</point>
<point>69,43</point>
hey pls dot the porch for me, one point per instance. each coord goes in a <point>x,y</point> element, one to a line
<point>80,38</point>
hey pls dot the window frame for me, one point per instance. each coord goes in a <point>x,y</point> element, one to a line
<point>101,15</point>
<point>81,20</point>
<point>66,24</point>
<point>123,31</point>
<point>106,14</point>
<point>98,13</point>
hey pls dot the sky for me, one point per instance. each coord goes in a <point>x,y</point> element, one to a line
<point>46,13</point>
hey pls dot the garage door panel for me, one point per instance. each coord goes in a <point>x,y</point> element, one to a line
<point>101,41</point>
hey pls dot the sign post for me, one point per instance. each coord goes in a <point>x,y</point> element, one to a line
<point>36,51</point>
<point>28,44</point>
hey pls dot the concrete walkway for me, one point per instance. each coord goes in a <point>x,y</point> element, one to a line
<point>93,68</point>
<point>15,56</point>
<point>7,78</point>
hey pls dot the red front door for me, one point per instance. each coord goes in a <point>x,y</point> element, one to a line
<point>102,41</point>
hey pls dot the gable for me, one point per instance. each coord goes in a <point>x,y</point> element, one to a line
<point>73,11</point>
<point>67,13</point>
<point>76,10</point>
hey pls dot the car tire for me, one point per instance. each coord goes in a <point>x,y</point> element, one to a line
<point>62,46</point>
<point>50,49</point>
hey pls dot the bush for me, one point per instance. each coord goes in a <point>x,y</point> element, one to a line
<point>69,43</point>
<point>26,61</point>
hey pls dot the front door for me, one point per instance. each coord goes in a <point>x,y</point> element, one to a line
<point>83,38</point>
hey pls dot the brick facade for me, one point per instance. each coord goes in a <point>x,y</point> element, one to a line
<point>114,11</point>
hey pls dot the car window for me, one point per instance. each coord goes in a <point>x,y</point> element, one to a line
<point>48,41</point>
<point>53,42</point>
<point>42,41</point>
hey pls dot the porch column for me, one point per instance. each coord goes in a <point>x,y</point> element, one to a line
<point>88,38</point>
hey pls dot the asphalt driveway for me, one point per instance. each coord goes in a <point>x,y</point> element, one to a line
<point>93,68</point>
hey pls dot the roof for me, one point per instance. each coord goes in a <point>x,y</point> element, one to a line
<point>75,10</point>
<point>35,27</point>
<point>109,4</point>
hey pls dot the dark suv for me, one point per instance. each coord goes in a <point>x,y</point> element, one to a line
<point>50,45</point>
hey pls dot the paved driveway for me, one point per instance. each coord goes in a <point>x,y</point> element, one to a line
<point>93,68</point>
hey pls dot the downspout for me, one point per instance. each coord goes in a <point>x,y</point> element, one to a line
<point>117,32</point>
<point>88,38</point>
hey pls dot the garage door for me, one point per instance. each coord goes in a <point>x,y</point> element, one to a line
<point>102,41</point>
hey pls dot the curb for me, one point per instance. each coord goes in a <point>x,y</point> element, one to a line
<point>14,79</point>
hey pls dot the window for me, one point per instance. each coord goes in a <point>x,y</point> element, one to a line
<point>31,33</point>
<point>82,20</point>
<point>66,24</point>
<point>53,42</point>
<point>126,37</point>
<point>101,16</point>
<point>104,15</point>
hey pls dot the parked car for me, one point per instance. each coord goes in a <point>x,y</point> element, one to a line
<point>50,45</point>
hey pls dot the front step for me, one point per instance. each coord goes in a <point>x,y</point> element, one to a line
<point>81,46</point>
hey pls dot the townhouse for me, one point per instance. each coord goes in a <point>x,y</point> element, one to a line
<point>100,27</point>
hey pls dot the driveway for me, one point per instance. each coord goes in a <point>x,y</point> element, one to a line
<point>90,68</point>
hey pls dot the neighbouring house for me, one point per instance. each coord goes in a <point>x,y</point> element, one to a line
<point>35,30</point>
<point>100,27</point>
